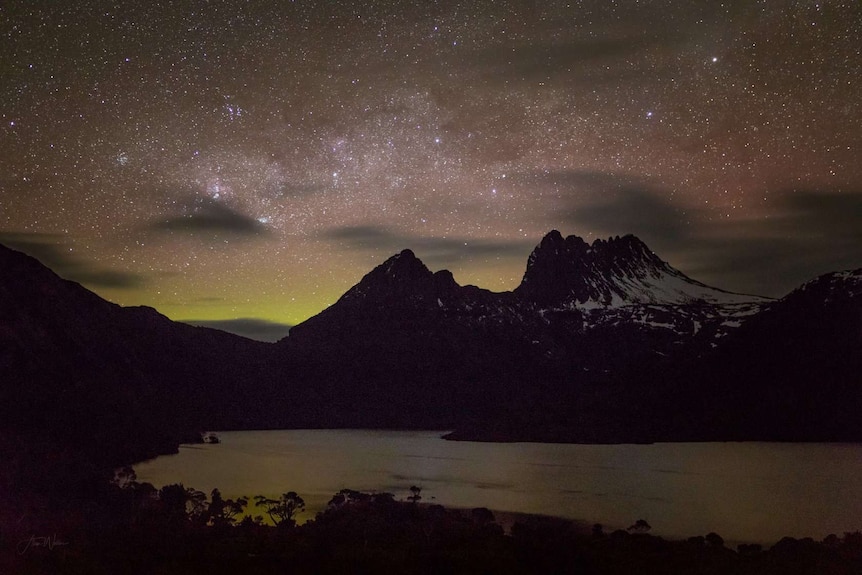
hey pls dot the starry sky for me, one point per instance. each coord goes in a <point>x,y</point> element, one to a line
<point>244,163</point>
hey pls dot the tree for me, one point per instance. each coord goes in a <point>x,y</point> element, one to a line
<point>415,497</point>
<point>125,477</point>
<point>346,497</point>
<point>225,511</point>
<point>281,511</point>
<point>179,501</point>
<point>714,540</point>
<point>640,526</point>
<point>383,498</point>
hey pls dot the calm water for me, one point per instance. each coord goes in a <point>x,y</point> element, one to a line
<point>746,492</point>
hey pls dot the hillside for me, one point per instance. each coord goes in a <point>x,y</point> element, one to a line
<point>599,343</point>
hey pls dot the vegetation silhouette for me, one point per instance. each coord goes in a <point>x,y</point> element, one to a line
<point>224,512</point>
<point>61,513</point>
<point>414,494</point>
<point>282,512</point>
<point>125,526</point>
<point>639,526</point>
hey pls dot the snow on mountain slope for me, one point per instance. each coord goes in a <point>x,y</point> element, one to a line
<point>847,283</point>
<point>683,322</point>
<point>569,273</point>
<point>570,289</point>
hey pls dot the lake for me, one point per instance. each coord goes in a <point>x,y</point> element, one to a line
<point>745,492</point>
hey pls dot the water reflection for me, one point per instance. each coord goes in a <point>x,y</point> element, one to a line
<point>747,492</point>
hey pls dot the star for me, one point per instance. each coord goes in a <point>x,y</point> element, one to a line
<point>316,137</point>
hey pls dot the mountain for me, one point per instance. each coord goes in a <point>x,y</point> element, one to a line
<point>575,308</point>
<point>792,372</point>
<point>613,273</point>
<point>599,343</point>
<point>404,347</point>
<point>119,383</point>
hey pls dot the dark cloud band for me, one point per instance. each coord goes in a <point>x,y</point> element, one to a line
<point>209,218</point>
<point>53,251</point>
<point>436,251</point>
<point>808,232</point>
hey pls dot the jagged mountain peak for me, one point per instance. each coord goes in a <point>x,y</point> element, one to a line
<point>405,255</point>
<point>403,263</point>
<point>404,280</point>
<point>628,242</point>
<point>403,267</point>
<point>554,244</point>
<point>569,272</point>
<point>401,274</point>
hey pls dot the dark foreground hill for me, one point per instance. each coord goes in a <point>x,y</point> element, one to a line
<point>117,383</point>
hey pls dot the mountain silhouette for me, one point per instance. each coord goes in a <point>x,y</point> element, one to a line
<point>601,342</point>
<point>610,273</point>
<point>116,382</point>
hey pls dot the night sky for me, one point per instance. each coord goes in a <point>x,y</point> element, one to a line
<point>252,160</point>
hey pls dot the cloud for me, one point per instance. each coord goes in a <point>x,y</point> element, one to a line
<point>811,232</point>
<point>252,328</point>
<point>823,213</point>
<point>808,232</point>
<point>436,251</point>
<point>606,204</point>
<point>617,203</point>
<point>106,278</point>
<point>54,252</point>
<point>209,218</point>
<point>364,237</point>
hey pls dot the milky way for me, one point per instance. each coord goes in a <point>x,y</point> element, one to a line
<point>254,159</point>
